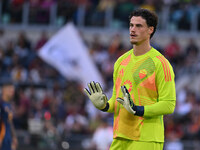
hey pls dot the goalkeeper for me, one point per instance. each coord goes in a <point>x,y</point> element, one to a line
<point>143,90</point>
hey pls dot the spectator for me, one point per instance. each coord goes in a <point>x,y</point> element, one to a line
<point>191,46</point>
<point>103,136</point>
<point>122,10</point>
<point>148,4</point>
<point>16,7</point>
<point>75,122</point>
<point>172,51</point>
<point>9,141</point>
<point>22,111</point>
<point>19,74</point>
<point>115,46</point>
<point>42,40</point>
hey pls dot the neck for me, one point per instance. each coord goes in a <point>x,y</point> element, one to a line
<point>140,49</point>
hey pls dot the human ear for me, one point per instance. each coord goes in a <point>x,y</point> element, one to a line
<point>151,29</point>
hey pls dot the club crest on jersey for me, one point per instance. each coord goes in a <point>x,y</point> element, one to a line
<point>142,73</point>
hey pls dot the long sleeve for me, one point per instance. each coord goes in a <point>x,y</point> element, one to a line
<point>166,90</point>
<point>160,108</point>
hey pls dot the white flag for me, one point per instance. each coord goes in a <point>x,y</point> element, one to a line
<point>66,52</point>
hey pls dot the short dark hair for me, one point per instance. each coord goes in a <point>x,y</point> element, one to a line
<point>150,17</point>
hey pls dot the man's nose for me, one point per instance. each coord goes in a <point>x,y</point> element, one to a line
<point>132,28</point>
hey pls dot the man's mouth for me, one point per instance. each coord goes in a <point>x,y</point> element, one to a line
<point>133,35</point>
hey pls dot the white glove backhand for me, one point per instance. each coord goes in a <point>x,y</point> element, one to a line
<point>96,95</point>
<point>127,102</point>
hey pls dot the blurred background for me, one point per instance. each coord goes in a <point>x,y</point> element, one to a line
<point>51,112</point>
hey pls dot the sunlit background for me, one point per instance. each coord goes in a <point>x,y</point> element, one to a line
<point>51,111</point>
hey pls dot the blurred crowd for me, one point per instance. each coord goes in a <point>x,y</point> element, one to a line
<point>49,108</point>
<point>180,13</point>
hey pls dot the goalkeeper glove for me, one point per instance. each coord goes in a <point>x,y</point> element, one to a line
<point>128,104</point>
<point>96,95</point>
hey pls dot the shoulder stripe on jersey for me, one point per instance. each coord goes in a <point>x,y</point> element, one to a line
<point>165,68</point>
<point>167,64</point>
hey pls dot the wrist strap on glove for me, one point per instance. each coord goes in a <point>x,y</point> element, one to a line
<point>106,108</point>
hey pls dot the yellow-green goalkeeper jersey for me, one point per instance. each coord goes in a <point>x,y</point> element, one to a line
<point>149,79</point>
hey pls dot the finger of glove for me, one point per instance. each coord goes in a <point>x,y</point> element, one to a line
<point>126,100</point>
<point>87,92</point>
<point>123,90</point>
<point>129,101</point>
<point>131,110</point>
<point>127,96</point>
<point>126,90</point>
<point>99,88</point>
<point>105,98</point>
<point>93,84</point>
<point>90,88</point>
<point>120,100</point>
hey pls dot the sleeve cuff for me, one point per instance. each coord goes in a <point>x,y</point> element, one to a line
<point>139,110</point>
<point>106,108</point>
